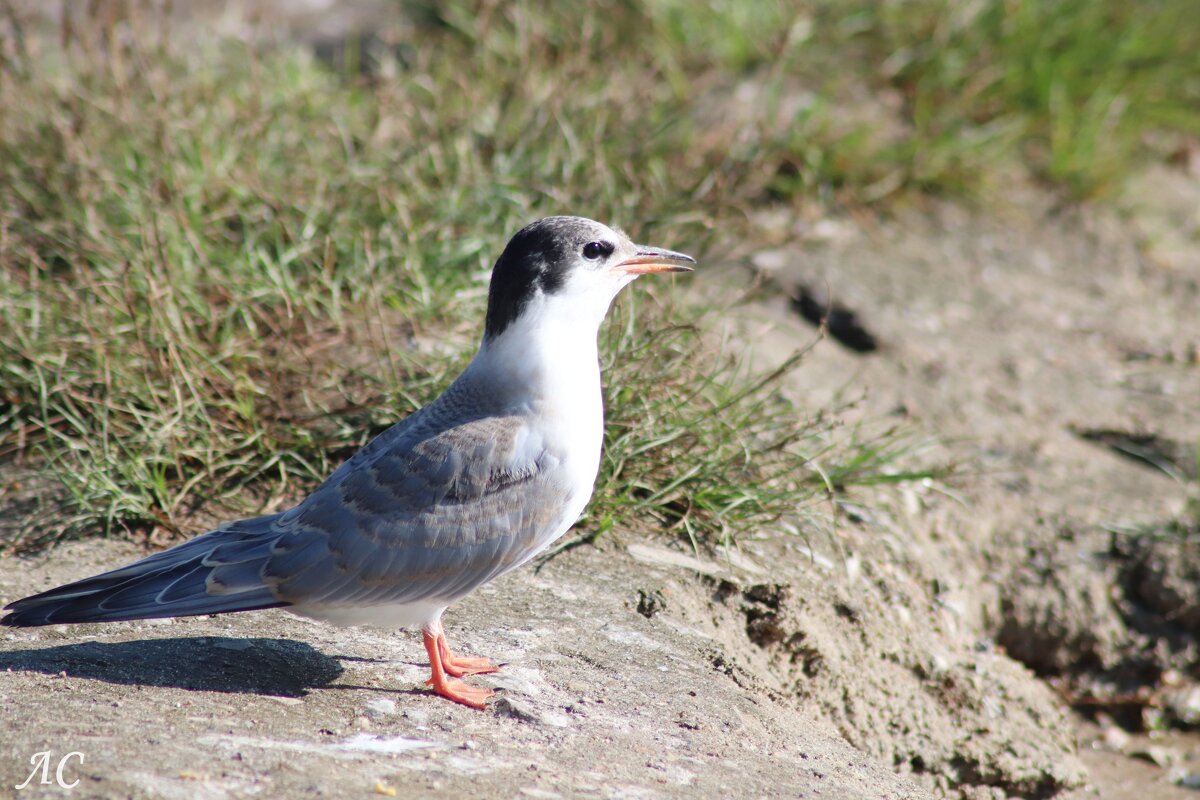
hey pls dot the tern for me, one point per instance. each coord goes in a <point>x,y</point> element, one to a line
<point>460,492</point>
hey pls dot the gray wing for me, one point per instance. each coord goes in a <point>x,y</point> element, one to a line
<point>423,517</point>
<point>425,511</point>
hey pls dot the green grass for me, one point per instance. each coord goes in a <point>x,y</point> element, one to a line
<point>226,269</point>
<point>1075,89</point>
<point>696,443</point>
<point>222,269</point>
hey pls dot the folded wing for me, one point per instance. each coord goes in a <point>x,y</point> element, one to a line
<point>423,512</point>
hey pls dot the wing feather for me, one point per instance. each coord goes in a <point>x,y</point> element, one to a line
<point>428,510</point>
<point>426,517</point>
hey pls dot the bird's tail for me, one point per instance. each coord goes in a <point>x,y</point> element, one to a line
<point>217,572</point>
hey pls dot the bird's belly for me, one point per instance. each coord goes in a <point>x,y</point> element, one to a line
<point>384,615</point>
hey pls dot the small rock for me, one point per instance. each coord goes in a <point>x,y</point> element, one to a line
<point>853,568</point>
<point>380,707</point>
<point>523,712</point>
<point>1114,739</point>
<point>1184,704</point>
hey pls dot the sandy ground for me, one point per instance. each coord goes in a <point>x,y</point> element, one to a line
<point>597,700</point>
<point>1040,348</point>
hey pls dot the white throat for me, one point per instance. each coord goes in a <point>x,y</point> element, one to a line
<point>547,358</point>
<point>545,367</point>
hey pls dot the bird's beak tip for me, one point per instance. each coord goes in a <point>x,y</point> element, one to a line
<point>648,260</point>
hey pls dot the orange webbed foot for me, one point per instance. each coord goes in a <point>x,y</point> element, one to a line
<point>460,692</point>
<point>462,666</point>
<point>446,666</point>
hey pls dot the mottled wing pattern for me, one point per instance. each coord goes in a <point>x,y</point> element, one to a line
<point>426,516</point>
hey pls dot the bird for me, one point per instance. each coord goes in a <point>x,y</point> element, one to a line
<point>461,491</point>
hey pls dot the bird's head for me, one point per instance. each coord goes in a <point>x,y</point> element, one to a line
<point>569,266</point>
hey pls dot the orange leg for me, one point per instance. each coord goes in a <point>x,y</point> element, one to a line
<point>448,687</point>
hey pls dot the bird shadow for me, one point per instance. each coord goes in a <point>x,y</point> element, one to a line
<point>279,667</point>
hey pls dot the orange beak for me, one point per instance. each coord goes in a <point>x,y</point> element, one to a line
<point>653,259</point>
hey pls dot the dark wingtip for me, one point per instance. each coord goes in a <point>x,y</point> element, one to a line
<point>23,619</point>
<point>39,609</point>
<point>33,611</point>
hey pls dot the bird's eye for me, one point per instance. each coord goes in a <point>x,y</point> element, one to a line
<point>595,250</point>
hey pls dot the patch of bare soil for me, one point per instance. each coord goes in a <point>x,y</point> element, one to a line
<point>1115,630</point>
<point>880,664</point>
<point>1052,354</point>
<point>596,700</point>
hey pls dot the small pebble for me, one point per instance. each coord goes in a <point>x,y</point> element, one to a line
<point>380,707</point>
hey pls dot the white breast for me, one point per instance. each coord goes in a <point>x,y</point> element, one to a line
<point>546,367</point>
